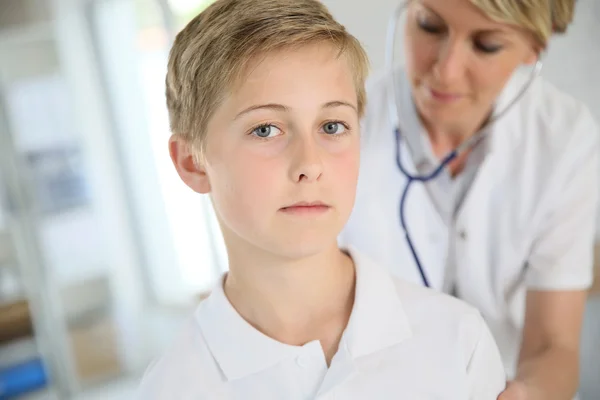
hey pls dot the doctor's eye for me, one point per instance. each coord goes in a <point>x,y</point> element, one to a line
<point>429,27</point>
<point>430,23</point>
<point>334,128</point>
<point>266,131</point>
<point>487,48</point>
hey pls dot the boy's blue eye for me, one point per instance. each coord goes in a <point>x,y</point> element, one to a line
<point>266,131</point>
<point>263,131</point>
<point>333,128</point>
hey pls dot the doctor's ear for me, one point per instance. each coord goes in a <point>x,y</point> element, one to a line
<point>532,57</point>
<point>191,172</point>
<point>533,54</point>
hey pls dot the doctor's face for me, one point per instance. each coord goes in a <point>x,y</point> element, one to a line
<point>282,154</point>
<point>458,60</point>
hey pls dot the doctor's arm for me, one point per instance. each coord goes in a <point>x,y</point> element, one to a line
<point>549,359</point>
<point>559,272</point>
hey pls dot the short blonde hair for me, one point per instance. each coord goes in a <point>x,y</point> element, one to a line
<point>210,55</point>
<point>540,17</point>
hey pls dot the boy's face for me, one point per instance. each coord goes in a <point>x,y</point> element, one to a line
<point>282,154</point>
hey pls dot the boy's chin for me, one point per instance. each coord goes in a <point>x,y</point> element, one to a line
<point>305,247</point>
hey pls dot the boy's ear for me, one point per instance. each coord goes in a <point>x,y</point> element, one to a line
<point>192,174</point>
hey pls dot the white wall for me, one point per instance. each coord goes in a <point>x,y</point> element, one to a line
<point>116,30</point>
<point>368,21</point>
<point>572,61</point>
<point>179,260</point>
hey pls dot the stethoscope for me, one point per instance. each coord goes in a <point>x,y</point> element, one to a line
<point>394,103</point>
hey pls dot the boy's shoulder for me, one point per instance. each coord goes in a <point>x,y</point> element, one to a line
<point>423,298</point>
<point>431,312</point>
<point>418,301</point>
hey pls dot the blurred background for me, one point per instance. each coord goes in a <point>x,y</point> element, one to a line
<point>103,251</point>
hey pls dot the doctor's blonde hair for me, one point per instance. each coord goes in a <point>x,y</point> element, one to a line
<point>540,17</point>
<point>212,54</point>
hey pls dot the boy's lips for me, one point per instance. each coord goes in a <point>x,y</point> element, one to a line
<point>306,207</point>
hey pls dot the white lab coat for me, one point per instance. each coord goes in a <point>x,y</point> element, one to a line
<point>527,222</point>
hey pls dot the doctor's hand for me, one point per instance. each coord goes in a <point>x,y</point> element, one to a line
<point>515,390</point>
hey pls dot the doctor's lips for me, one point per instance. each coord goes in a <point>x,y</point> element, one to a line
<point>445,97</point>
<point>307,208</point>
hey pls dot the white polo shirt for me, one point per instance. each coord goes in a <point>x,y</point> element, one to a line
<point>526,220</point>
<point>402,342</point>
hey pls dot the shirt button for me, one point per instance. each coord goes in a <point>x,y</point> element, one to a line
<point>462,234</point>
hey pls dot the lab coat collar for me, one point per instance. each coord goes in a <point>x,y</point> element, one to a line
<point>377,321</point>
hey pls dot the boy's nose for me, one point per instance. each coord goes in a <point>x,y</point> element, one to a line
<point>306,163</point>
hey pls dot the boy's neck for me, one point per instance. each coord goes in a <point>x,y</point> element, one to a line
<point>294,301</point>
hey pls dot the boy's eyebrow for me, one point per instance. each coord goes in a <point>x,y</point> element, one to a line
<point>270,106</point>
<point>338,103</point>
<point>281,107</point>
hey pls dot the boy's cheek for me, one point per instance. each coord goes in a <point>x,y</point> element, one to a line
<point>259,184</point>
<point>346,179</point>
<point>347,166</point>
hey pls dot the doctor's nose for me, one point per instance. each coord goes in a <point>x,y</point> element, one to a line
<point>306,162</point>
<point>450,64</point>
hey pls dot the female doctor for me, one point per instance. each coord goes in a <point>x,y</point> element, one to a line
<point>508,225</point>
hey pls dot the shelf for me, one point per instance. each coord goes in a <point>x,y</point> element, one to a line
<point>595,290</point>
<point>8,301</point>
<point>15,321</point>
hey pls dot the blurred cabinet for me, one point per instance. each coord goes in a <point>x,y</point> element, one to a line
<point>69,285</point>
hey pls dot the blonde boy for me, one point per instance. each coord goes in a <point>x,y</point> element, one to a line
<point>265,98</point>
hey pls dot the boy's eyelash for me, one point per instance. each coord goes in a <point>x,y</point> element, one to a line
<point>265,125</point>
<point>261,126</point>
<point>335,121</point>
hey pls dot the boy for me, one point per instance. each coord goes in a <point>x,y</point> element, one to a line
<point>265,98</point>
